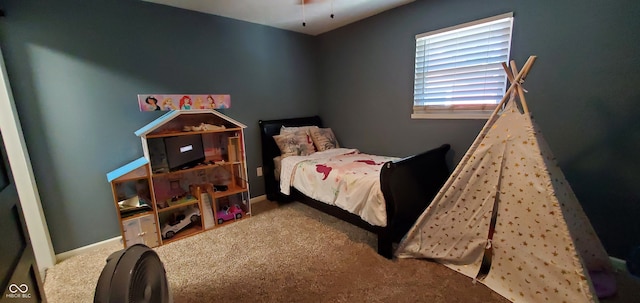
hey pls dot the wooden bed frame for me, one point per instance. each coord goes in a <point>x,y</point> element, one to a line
<point>408,185</point>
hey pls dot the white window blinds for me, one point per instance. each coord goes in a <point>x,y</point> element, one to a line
<point>458,69</point>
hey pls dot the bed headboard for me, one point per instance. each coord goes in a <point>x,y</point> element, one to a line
<point>268,129</point>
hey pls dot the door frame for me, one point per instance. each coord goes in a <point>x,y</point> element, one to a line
<point>20,165</point>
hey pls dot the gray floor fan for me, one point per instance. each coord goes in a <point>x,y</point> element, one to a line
<point>133,275</point>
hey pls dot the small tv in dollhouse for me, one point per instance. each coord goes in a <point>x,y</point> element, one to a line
<point>184,151</point>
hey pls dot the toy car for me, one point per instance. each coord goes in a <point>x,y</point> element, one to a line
<point>190,215</point>
<point>229,213</point>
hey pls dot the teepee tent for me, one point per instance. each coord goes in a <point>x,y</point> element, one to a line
<point>508,218</point>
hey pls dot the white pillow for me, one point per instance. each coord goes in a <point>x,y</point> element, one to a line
<point>293,129</point>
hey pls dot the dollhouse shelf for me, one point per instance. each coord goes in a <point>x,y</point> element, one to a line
<point>196,168</point>
<point>135,215</point>
<point>224,164</point>
<point>233,221</point>
<point>230,191</point>
<point>187,232</point>
<point>178,205</point>
<point>182,133</point>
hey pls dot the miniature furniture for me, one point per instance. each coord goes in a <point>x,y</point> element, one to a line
<point>195,171</point>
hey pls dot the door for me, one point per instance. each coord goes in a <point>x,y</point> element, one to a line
<point>131,228</point>
<point>140,230</point>
<point>19,276</point>
<point>149,230</point>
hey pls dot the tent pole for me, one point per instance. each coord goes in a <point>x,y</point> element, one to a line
<point>523,103</point>
<point>520,89</point>
<point>521,75</point>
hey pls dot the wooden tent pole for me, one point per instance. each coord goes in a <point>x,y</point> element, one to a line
<point>520,90</point>
<point>527,67</point>
<point>510,76</point>
<point>525,108</point>
<point>521,75</point>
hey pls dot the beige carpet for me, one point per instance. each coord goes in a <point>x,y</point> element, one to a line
<point>290,253</point>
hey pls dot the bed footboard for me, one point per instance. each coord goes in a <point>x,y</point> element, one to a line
<point>408,186</point>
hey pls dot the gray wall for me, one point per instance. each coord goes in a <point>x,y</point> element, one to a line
<point>76,68</point>
<point>584,93</point>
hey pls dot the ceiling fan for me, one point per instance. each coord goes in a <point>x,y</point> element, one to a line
<point>307,2</point>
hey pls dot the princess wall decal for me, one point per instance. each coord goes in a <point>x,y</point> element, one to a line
<point>151,102</point>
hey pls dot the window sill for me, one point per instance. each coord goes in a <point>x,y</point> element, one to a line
<point>453,115</point>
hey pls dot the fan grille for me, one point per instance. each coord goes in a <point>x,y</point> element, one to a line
<point>148,282</point>
<point>133,275</point>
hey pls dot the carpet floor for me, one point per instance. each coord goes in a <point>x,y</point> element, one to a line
<point>287,253</point>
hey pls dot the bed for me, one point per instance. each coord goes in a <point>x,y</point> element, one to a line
<point>407,185</point>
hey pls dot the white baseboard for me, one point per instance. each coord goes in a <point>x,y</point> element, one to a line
<point>258,199</point>
<point>68,254</point>
<point>80,250</point>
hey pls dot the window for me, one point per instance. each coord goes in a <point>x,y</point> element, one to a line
<point>458,70</point>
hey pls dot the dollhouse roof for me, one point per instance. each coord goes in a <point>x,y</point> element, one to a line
<point>207,115</point>
<point>125,169</point>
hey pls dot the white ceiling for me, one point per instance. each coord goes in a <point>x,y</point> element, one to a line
<point>288,14</point>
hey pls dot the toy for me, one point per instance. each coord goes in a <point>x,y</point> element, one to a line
<point>229,213</point>
<point>190,215</point>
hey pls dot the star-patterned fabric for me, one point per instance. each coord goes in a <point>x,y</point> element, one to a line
<point>542,244</point>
